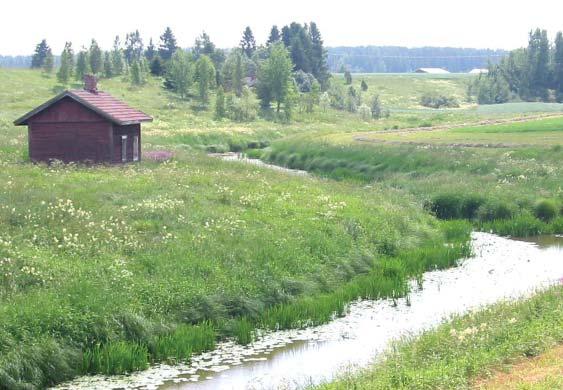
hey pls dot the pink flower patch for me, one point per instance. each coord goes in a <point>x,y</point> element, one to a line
<point>158,155</point>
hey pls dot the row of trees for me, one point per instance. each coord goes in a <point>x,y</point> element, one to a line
<point>287,72</point>
<point>396,59</point>
<point>534,73</point>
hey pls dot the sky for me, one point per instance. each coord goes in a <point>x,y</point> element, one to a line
<point>491,24</point>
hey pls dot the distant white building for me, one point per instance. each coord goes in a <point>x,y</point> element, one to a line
<point>479,71</point>
<point>431,70</point>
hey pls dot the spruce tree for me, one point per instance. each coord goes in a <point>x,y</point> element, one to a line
<point>220,103</point>
<point>117,57</point>
<point>167,44</point>
<point>286,36</point>
<point>48,62</point>
<point>133,47</point>
<point>538,64</point>
<point>108,69</point>
<point>348,77</point>
<point>150,52</point>
<point>298,40</point>
<point>67,63</point>
<point>157,66</point>
<point>558,66</point>
<point>137,72</point>
<point>41,51</point>
<point>299,55</point>
<point>318,59</point>
<point>375,107</point>
<point>82,65</point>
<point>275,36</point>
<point>95,57</point>
<point>248,43</point>
<point>237,76</point>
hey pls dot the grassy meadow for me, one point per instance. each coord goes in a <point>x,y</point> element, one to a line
<point>106,269</point>
<point>505,177</point>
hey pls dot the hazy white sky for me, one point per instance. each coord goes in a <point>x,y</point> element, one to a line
<point>459,23</point>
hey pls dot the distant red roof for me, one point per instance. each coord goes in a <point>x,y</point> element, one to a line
<point>100,102</point>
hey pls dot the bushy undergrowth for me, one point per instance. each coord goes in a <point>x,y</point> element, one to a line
<point>460,350</point>
<point>546,210</point>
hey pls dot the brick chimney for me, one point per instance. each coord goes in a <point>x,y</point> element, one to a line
<point>90,83</point>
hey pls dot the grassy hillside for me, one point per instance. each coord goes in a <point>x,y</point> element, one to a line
<point>498,175</point>
<point>106,269</point>
<point>181,124</point>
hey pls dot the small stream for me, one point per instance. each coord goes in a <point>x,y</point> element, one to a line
<point>500,269</point>
<point>231,156</point>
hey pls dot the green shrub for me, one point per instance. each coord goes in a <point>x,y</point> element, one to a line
<point>545,209</point>
<point>494,210</point>
<point>434,100</point>
<point>470,206</point>
<point>217,148</point>
<point>254,153</point>
<point>447,206</point>
<point>237,146</point>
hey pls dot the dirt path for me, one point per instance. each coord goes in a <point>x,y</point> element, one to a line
<point>542,372</point>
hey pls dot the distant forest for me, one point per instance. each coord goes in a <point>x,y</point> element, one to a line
<point>374,59</point>
<point>396,59</point>
<point>15,61</point>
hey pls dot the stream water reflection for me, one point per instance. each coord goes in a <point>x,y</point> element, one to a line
<point>500,269</point>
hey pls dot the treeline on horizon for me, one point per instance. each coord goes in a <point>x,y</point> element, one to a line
<point>533,73</point>
<point>397,59</point>
<point>373,59</point>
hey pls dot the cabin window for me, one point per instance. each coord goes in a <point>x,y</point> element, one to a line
<point>124,148</point>
<point>136,148</point>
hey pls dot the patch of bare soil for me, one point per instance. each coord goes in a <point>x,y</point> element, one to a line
<point>546,368</point>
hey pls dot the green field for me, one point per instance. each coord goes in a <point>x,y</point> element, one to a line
<point>543,132</point>
<point>107,269</point>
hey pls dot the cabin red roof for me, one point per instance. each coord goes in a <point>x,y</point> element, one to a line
<point>100,102</point>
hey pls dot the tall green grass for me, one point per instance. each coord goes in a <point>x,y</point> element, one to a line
<point>523,225</point>
<point>115,358</point>
<point>388,278</point>
<point>185,340</point>
<point>480,185</point>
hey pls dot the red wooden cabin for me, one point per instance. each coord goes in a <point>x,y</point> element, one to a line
<point>84,125</point>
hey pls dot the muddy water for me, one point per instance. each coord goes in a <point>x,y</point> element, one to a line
<point>500,269</point>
